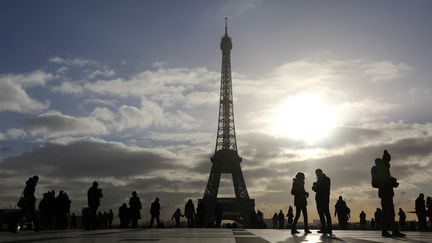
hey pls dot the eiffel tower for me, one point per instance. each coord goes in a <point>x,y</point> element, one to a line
<point>226,158</point>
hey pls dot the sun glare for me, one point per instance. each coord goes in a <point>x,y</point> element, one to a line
<point>306,117</point>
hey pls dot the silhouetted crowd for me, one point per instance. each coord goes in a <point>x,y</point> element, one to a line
<point>54,211</point>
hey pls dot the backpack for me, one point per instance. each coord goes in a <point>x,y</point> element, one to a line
<point>375,177</point>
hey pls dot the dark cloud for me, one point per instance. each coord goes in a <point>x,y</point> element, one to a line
<point>89,158</point>
<point>4,149</point>
<point>260,147</point>
<point>54,124</point>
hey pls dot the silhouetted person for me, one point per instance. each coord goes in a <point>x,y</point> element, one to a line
<point>382,179</point>
<point>105,220</point>
<point>44,209</point>
<point>420,209</point>
<point>189,213</point>
<point>429,208</point>
<point>201,212</point>
<point>110,218</point>
<point>27,204</point>
<point>300,202</point>
<point>218,215</point>
<point>253,220</point>
<point>342,212</point>
<point>155,212</point>
<point>373,223</point>
<point>176,216</point>
<point>62,210</point>
<point>135,207</point>
<point>275,220</point>
<point>124,216</point>
<point>73,221</point>
<point>322,199</point>
<point>281,220</point>
<point>363,222</point>
<point>290,217</point>
<point>402,218</point>
<point>377,215</point>
<point>51,211</point>
<point>94,194</point>
<point>260,219</point>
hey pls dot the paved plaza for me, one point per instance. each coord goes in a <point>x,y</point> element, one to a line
<point>204,236</point>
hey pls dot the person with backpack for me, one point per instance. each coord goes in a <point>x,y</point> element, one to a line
<point>27,203</point>
<point>382,179</point>
<point>342,211</point>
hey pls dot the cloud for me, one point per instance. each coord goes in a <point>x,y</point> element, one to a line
<point>15,133</point>
<point>103,113</point>
<point>151,114</point>
<point>199,98</point>
<point>35,78</point>
<point>78,61</point>
<point>55,124</point>
<point>165,85</point>
<point>2,136</point>
<point>91,103</point>
<point>67,88</point>
<point>100,72</point>
<point>386,71</point>
<point>13,95</point>
<point>90,158</point>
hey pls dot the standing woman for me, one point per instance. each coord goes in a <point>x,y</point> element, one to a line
<point>300,202</point>
<point>135,208</point>
<point>27,204</point>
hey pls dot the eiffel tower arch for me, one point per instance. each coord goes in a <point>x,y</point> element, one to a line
<point>226,158</point>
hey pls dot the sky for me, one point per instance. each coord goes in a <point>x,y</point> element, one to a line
<point>127,92</point>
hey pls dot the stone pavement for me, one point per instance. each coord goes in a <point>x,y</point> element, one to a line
<point>204,235</point>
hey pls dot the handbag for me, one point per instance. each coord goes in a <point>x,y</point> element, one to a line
<point>22,201</point>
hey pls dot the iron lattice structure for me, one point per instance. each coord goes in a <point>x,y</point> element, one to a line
<point>226,158</point>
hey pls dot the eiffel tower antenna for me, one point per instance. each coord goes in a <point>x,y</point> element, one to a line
<point>226,25</point>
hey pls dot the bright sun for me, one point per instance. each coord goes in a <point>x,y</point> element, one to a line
<point>306,117</point>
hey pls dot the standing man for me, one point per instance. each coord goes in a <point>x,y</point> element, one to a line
<point>402,218</point>
<point>290,216</point>
<point>189,213</point>
<point>420,209</point>
<point>343,213</point>
<point>135,208</point>
<point>378,213</point>
<point>155,212</point>
<point>94,194</point>
<point>322,199</point>
<point>281,219</point>
<point>382,179</point>
<point>363,222</point>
